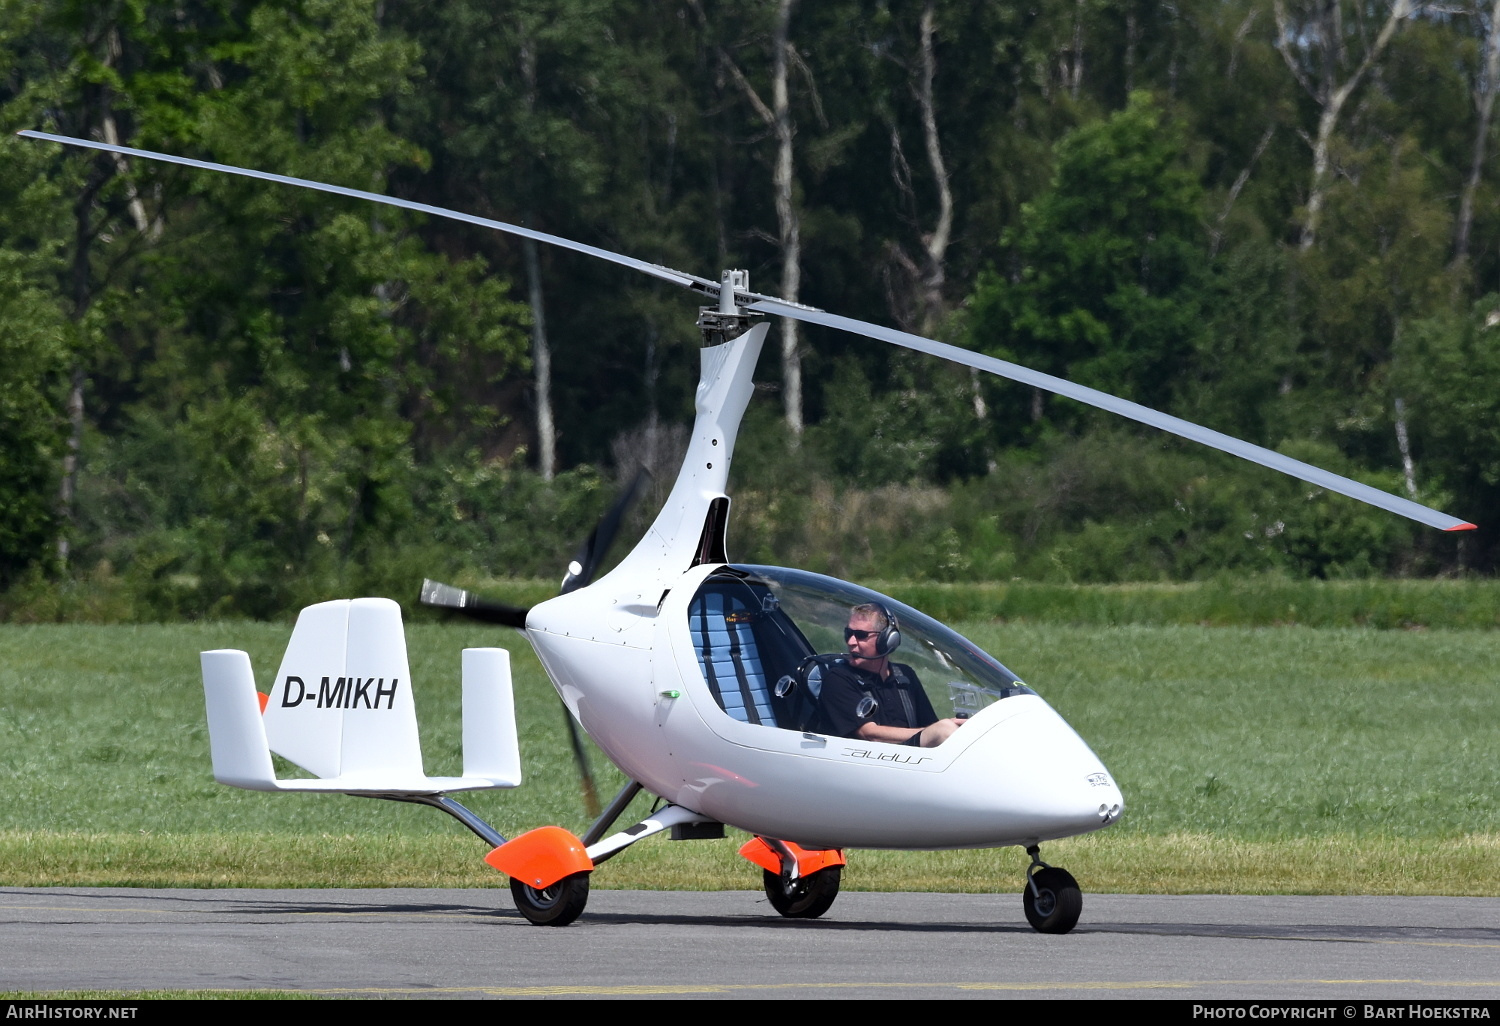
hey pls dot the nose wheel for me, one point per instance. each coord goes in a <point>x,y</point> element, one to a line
<point>1051,898</point>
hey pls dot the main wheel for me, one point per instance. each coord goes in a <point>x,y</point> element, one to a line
<point>810,895</point>
<point>557,905</point>
<point>1057,903</point>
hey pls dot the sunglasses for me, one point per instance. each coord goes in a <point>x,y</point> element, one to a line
<point>850,632</point>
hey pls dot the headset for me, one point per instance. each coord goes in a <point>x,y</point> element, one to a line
<point>889,639</point>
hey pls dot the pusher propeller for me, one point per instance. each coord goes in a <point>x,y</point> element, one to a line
<point>591,553</point>
<point>458,600</point>
<point>446,596</point>
<point>581,571</point>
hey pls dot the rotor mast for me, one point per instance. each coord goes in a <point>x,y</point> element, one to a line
<point>729,320</point>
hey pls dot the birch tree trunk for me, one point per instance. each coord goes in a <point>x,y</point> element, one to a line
<point>788,221</point>
<point>920,305</point>
<point>934,303</point>
<point>1484,101</point>
<point>778,118</point>
<point>1408,468</point>
<point>541,349</point>
<point>1216,234</point>
<point>1075,70</point>
<point>935,243</point>
<point>1330,95</point>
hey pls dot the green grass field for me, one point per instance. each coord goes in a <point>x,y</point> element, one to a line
<point>1253,760</point>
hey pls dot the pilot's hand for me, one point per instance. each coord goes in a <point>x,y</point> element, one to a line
<point>936,733</point>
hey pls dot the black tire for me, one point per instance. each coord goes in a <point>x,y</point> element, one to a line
<point>1057,903</point>
<point>557,905</point>
<point>810,896</point>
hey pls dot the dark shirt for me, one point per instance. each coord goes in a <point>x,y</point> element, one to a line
<point>902,702</point>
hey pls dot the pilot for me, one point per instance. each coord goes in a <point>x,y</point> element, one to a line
<point>902,714</point>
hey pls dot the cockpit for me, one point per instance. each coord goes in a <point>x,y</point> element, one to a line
<point>764,636</point>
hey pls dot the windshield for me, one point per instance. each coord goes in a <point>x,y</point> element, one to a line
<point>754,625</point>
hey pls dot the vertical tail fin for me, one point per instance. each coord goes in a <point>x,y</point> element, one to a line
<point>341,703</point>
<point>490,748</point>
<point>236,735</point>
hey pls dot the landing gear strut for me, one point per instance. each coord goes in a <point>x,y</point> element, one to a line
<point>1051,898</point>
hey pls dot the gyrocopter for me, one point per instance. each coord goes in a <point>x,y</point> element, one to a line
<point>703,680</point>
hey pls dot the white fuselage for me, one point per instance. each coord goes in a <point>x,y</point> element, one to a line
<point>622,656</point>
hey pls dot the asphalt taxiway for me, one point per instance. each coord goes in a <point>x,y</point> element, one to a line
<point>472,943</point>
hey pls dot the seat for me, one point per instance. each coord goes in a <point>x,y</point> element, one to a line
<point>723,621</point>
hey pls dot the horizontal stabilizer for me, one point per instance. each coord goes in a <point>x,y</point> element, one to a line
<point>341,707</point>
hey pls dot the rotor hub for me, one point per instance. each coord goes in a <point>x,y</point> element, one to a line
<point>727,321</point>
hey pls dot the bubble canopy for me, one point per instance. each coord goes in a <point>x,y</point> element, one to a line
<point>813,610</point>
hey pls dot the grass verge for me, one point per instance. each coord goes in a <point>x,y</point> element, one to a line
<point>1253,761</point>
<point>1122,863</point>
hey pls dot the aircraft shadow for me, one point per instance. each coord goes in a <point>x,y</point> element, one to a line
<point>1310,932</point>
<point>208,903</point>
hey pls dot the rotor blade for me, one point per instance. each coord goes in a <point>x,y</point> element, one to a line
<point>1125,408</point>
<point>446,596</point>
<point>770,305</point>
<point>655,270</point>
<point>592,552</point>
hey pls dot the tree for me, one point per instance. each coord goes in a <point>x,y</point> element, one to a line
<point>569,117</point>
<point>921,305</point>
<point>319,334</point>
<point>73,59</point>
<point>277,348</point>
<point>33,357</point>
<point>1109,263</point>
<point>1454,359</point>
<point>1382,263</point>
